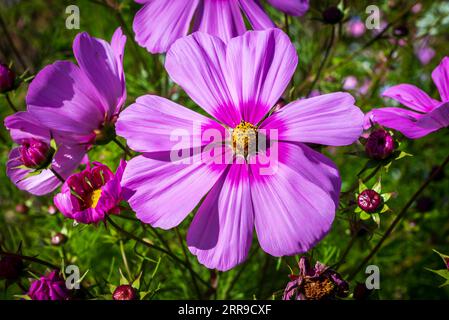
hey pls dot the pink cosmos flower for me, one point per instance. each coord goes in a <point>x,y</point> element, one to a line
<point>32,164</point>
<point>49,287</point>
<point>82,101</point>
<point>89,196</point>
<point>290,199</point>
<point>159,23</point>
<point>426,114</point>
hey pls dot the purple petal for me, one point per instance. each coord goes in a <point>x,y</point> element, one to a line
<point>437,118</point>
<point>22,125</point>
<point>257,17</point>
<point>411,96</point>
<point>441,78</point>
<point>62,98</point>
<point>295,205</point>
<point>291,7</point>
<point>155,124</point>
<point>260,66</point>
<point>198,64</point>
<point>222,19</point>
<point>102,65</point>
<point>330,119</point>
<point>162,192</point>
<point>221,232</point>
<point>159,23</point>
<point>403,120</point>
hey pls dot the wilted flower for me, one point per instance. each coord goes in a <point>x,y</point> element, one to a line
<point>238,84</point>
<point>32,165</point>
<point>379,145</point>
<point>90,195</point>
<point>159,23</point>
<point>125,292</point>
<point>332,15</point>
<point>49,287</point>
<point>426,115</point>
<point>7,77</point>
<point>10,267</point>
<point>82,102</point>
<point>315,283</point>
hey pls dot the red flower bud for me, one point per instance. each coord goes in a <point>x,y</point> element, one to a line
<point>369,200</point>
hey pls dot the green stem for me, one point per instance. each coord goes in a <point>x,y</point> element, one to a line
<point>123,147</point>
<point>188,264</point>
<point>10,103</point>
<point>28,258</point>
<point>398,218</point>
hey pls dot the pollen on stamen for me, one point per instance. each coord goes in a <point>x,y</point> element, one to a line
<point>244,139</point>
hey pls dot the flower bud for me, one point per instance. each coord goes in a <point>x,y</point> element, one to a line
<point>379,145</point>
<point>125,292</point>
<point>332,15</point>
<point>7,78</point>
<point>49,287</point>
<point>369,200</point>
<point>59,239</point>
<point>10,267</point>
<point>22,208</point>
<point>400,31</point>
<point>35,153</point>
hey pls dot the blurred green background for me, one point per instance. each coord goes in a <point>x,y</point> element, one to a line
<point>38,34</point>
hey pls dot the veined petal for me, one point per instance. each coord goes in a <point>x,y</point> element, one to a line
<point>154,124</point>
<point>411,96</point>
<point>101,62</point>
<point>330,119</point>
<point>198,64</point>
<point>23,125</point>
<point>220,18</point>
<point>291,7</point>
<point>441,78</point>
<point>257,17</point>
<point>221,232</point>
<point>163,192</point>
<point>437,118</point>
<point>260,65</point>
<point>404,121</point>
<point>63,99</point>
<point>294,205</point>
<point>159,23</point>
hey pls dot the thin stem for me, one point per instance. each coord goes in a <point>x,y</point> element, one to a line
<point>152,246</point>
<point>323,61</point>
<point>189,266</point>
<point>28,258</point>
<point>10,103</point>
<point>11,43</point>
<point>398,219</point>
<point>57,175</point>
<point>123,147</point>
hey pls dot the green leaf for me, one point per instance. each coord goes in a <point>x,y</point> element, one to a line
<point>403,154</point>
<point>376,218</point>
<point>386,196</point>
<point>357,209</point>
<point>378,186</point>
<point>364,215</point>
<point>385,208</point>
<point>362,186</point>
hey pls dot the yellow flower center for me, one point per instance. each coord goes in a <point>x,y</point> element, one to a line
<point>94,198</point>
<point>244,139</point>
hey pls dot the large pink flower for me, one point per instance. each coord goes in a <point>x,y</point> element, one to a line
<point>161,22</point>
<point>82,101</point>
<point>291,199</point>
<point>425,114</point>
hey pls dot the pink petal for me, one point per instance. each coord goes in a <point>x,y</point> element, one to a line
<point>291,7</point>
<point>198,64</point>
<point>260,65</point>
<point>330,119</point>
<point>441,78</point>
<point>155,124</point>
<point>62,98</point>
<point>411,96</point>
<point>437,118</point>
<point>102,65</point>
<point>257,17</point>
<point>402,120</point>
<point>23,125</point>
<point>221,232</point>
<point>220,18</point>
<point>295,205</point>
<point>159,23</point>
<point>162,192</point>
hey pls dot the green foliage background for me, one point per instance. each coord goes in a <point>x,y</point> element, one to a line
<point>38,30</point>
